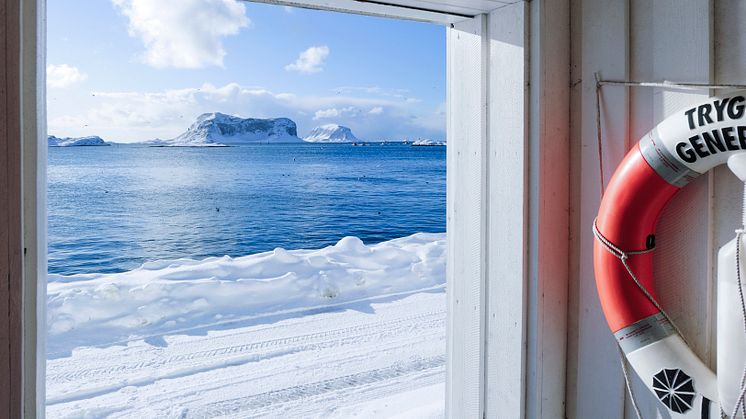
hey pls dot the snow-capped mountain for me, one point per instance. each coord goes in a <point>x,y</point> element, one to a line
<point>215,129</point>
<point>92,140</point>
<point>331,133</point>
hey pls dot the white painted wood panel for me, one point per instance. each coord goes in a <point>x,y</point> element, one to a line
<point>480,6</point>
<point>601,34</point>
<point>34,137</point>
<point>548,216</point>
<point>576,230</point>
<point>695,41</point>
<point>23,209</point>
<point>519,162</point>
<point>467,139</point>
<point>436,11</point>
<point>670,41</point>
<point>506,208</point>
<point>729,47</point>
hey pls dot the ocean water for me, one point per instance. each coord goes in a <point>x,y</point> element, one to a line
<point>112,208</point>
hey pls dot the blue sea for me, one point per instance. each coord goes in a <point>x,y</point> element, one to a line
<point>112,208</point>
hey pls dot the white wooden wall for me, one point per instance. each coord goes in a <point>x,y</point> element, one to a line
<point>527,338</point>
<point>508,159</point>
<point>678,40</point>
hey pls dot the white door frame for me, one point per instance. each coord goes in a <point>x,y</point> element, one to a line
<point>26,107</point>
<point>508,212</point>
<point>507,216</point>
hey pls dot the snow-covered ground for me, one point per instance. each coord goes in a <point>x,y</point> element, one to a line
<point>346,331</point>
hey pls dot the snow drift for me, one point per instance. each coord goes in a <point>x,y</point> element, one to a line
<point>216,129</point>
<point>93,140</point>
<point>331,133</point>
<point>175,296</point>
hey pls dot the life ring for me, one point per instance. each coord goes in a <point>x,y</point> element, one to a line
<point>682,147</point>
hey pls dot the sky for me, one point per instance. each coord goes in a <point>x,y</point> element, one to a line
<point>136,70</point>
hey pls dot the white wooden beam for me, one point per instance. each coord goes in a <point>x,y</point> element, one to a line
<point>508,212</point>
<point>506,206</point>
<point>34,144</point>
<point>601,36</point>
<point>23,249</point>
<point>466,216</point>
<point>447,14</point>
<point>548,215</point>
<point>11,349</point>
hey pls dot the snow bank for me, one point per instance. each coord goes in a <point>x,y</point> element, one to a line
<point>176,296</point>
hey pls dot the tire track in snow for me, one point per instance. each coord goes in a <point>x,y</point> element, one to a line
<point>236,349</point>
<point>234,355</point>
<point>349,397</point>
<point>234,407</point>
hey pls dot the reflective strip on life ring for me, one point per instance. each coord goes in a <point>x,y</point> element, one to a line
<point>685,145</point>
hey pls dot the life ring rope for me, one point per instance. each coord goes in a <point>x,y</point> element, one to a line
<point>740,402</point>
<point>623,256</point>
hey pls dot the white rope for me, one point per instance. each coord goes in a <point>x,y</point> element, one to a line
<point>627,382</point>
<point>665,84</point>
<point>599,143</point>
<point>739,233</point>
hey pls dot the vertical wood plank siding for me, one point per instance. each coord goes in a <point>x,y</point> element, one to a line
<point>508,158</point>
<point>506,203</point>
<point>10,212</point>
<point>466,90</point>
<point>686,40</point>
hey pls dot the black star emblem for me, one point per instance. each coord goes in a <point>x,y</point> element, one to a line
<point>675,389</point>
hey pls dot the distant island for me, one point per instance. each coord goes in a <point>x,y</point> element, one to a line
<point>220,130</point>
<point>331,133</point>
<point>217,129</point>
<point>93,140</point>
<point>425,142</point>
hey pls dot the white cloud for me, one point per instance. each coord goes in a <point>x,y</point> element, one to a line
<point>64,75</point>
<point>310,60</point>
<point>336,113</point>
<point>137,116</point>
<point>376,111</point>
<point>326,113</point>
<point>183,33</point>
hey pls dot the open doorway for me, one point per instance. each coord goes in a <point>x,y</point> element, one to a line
<point>251,229</point>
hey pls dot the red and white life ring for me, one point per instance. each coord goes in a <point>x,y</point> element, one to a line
<point>682,147</point>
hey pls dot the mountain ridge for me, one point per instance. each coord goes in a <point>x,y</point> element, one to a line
<point>331,133</point>
<point>219,129</point>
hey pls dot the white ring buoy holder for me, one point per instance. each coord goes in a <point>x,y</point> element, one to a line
<point>682,147</point>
